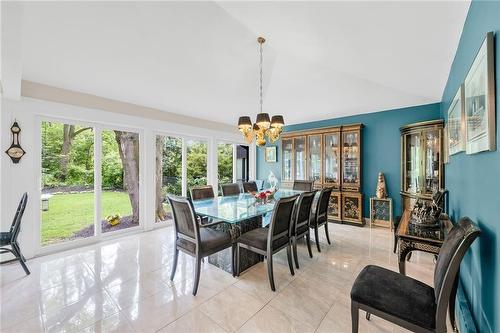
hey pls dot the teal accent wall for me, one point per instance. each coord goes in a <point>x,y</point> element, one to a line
<point>474,180</point>
<point>381,147</point>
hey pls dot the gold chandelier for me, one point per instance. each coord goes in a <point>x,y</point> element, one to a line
<point>264,127</point>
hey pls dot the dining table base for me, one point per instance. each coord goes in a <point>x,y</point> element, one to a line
<point>223,259</point>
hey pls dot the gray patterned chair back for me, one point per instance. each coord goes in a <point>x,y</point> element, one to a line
<point>303,211</point>
<point>202,192</point>
<point>249,187</point>
<point>322,205</point>
<point>230,189</point>
<point>303,185</point>
<point>186,225</point>
<point>450,256</point>
<point>282,218</point>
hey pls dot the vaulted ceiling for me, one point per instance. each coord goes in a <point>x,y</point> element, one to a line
<point>322,59</point>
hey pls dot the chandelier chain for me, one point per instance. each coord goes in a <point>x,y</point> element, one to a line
<point>261,57</point>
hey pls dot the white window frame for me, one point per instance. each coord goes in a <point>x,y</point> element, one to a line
<point>98,234</point>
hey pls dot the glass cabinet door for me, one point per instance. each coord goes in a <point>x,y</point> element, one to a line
<point>314,161</point>
<point>287,159</point>
<point>332,158</point>
<point>432,152</point>
<point>300,158</point>
<point>351,158</point>
<point>413,163</point>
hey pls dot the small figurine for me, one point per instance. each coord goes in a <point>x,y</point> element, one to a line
<point>381,190</point>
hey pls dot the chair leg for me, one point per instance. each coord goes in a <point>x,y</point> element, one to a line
<point>20,257</point>
<point>308,241</point>
<point>395,242</point>
<point>237,260</point>
<point>197,275</point>
<point>289,256</point>
<point>316,236</point>
<point>295,252</point>
<point>354,317</point>
<point>19,250</point>
<point>270,271</point>
<point>174,264</point>
<point>233,258</point>
<point>326,232</point>
<point>368,316</point>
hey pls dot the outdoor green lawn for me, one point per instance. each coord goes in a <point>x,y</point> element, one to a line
<point>72,212</point>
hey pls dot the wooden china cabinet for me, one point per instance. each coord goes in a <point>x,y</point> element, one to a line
<point>331,157</point>
<point>422,167</point>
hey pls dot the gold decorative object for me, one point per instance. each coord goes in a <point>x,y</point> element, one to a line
<point>381,190</point>
<point>263,126</point>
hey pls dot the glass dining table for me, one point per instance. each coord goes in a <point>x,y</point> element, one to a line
<point>238,214</point>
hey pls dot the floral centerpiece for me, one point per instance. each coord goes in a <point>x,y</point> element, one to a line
<point>264,196</point>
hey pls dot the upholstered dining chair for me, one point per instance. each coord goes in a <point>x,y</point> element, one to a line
<point>193,240</point>
<point>300,226</point>
<point>10,238</point>
<point>250,186</point>
<point>268,241</point>
<point>410,303</point>
<point>202,192</point>
<point>303,185</point>
<point>230,189</point>
<point>320,215</point>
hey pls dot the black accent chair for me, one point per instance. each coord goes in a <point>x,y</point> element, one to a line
<point>303,185</point>
<point>249,187</point>
<point>193,240</point>
<point>202,192</point>
<point>10,238</point>
<point>320,215</point>
<point>268,241</point>
<point>300,226</point>
<point>230,189</point>
<point>408,302</point>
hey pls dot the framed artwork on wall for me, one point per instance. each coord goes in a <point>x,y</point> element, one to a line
<point>480,100</point>
<point>456,123</point>
<point>271,153</point>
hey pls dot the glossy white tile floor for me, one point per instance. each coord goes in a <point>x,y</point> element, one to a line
<point>123,286</point>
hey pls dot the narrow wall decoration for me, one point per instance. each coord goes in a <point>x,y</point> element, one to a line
<point>480,100</point>
<point>456,123</point>
<point>15,151</point>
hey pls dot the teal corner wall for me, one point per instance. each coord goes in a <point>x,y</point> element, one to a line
<point>381,147</point>
<point>474,180</point>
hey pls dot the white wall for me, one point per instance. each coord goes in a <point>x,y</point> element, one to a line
<point>25,176</point>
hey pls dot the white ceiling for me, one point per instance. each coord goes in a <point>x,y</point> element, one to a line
<point>322,59</point>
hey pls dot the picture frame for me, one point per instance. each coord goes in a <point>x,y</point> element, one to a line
<point>446,146</point>
<point>271,154</point>
<point>455,127</point>
<point>480,100</point>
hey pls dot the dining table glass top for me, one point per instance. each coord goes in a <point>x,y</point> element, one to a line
<point>237,208</point>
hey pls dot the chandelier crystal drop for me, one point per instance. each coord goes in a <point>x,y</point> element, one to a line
<point>264,126</point>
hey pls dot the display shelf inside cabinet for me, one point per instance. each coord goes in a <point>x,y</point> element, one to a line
<point>422,167</point>
<point>331,157</point>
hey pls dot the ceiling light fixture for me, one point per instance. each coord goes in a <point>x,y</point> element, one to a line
<point>264,127</point>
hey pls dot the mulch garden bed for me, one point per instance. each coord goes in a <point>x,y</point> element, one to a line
<point>125,222</point>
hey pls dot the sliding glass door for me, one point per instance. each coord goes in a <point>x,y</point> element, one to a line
<point>168,174</point>
<point>196,163</point>
<point>120,180</point>
<point>225,158</point>
<point>67,182</point>
<point>73,205</point>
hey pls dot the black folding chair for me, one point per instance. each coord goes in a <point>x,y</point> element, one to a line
<point>10,238</point>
